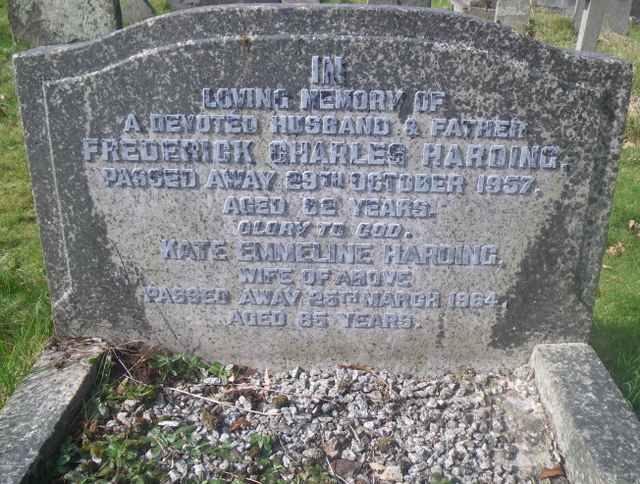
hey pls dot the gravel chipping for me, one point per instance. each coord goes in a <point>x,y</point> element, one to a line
<point>357,424</point>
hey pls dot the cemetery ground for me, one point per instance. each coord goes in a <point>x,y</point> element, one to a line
<point>25,324</point>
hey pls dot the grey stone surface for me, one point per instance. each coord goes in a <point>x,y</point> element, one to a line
<point>37,417</point>
<point>618,16</point>
<point>514,13</point>
<point>596,430</point>
<point>561,5</point>
<point>405,3</point>
<point>47,22</point>
<point>134,11</point>
<point>590,26</point>
<point>635,9</point>
<point>184,4</point>
<point>474,271</point>
<point>484,9</point>
<point>576,17</point>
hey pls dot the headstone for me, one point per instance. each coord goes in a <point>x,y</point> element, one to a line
<point>618,16</point>
<point>278,185</point>
<point>514,13</point>
<point>635,10</point>
<point>561,5</point>
<point>577,14</point>
<point>184,4</point>
<point>134,11</point>
<point>48,22</point>
<point>484,9</point>
<point>405,3</point>
<point>590,25</point>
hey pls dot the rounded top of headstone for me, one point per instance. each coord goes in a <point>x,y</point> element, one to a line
<point>203,174</point>
<point>437,26</point>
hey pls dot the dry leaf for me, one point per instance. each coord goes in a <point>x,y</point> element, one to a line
<point>634,227</point>
<point>239,424</point>
<point>550,472</point>
<point>212,417</point>
<point>91,427</point>
<point>616,249</point>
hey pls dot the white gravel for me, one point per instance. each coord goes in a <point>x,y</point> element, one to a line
<point>359,425</point>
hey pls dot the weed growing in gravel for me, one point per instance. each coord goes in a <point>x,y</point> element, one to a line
<point>100,453</point>
<point>128,390</point>
<point>439,479</point>
<point>314,474</point>
<point>112,458</point>
<point>189,368</point>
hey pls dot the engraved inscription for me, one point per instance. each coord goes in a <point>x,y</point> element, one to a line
<point>333,205</point>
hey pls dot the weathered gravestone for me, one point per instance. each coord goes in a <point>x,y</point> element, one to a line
<point>134,11</point>
<point>184,4</point>
<point>46,22</point>
<point>485,9</point>
<point>514,13</point>
<point>562,5</point>
<point>590,25</point>
<point>635,10</point>
<point>576,16</point>
<point>617,16</point>
<point>405,3</point>
<point>299,1</point>
<point>274,185</point>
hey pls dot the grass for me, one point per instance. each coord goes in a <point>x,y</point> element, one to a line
<point>616,329</point>
<point>160,6</point>
<point>25,320</point>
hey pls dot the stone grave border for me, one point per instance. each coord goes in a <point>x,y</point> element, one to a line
<point>595,427</point>
<point>596,430</point>
<point>590,425</point>
<point>37,417</point>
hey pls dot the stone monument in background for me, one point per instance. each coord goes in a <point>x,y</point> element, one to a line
<point>559,5</point>
<point>279,186</point>
<point>485,9</point>
<point>184,4</point>
<point>134,11</point>
<point>635,10</point>
<point>405,3</point>
<point>514,13</point>
<point>47,22</point>
<point>616,17</point>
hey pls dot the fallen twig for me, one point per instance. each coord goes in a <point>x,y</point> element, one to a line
<point>236,476</point>
<point>219,402</point>
<point>333,473</point>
